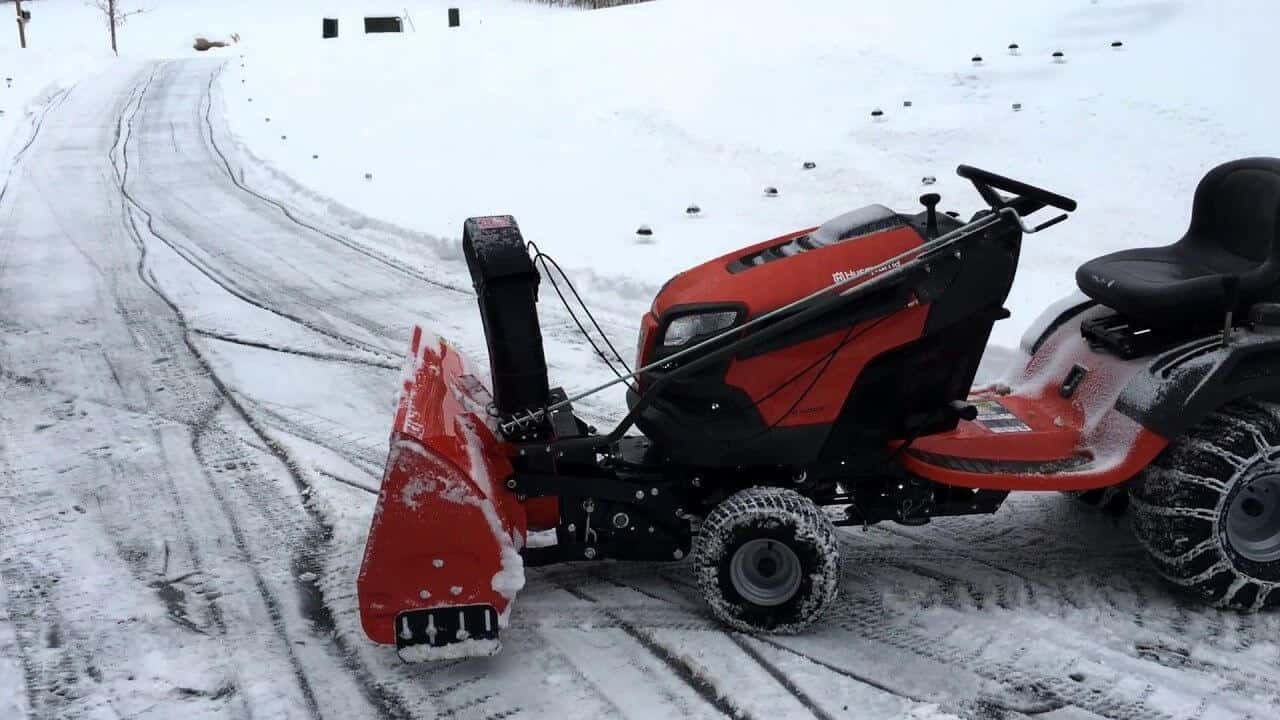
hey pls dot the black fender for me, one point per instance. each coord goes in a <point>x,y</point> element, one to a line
<point>1181,386</point>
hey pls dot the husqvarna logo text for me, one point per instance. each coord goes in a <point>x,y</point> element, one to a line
<point>847,275</point>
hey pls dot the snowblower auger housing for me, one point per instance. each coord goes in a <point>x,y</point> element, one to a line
<point>833,367</point>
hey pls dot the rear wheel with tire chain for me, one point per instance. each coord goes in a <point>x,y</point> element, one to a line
<point>767,560</point>
<point>1208,509</point>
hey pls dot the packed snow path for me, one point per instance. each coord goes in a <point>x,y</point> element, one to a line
<point>195,387</point>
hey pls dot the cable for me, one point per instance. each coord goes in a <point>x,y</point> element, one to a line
<point>547,263</point>
<point>827,359</point>
<point>547,258</point>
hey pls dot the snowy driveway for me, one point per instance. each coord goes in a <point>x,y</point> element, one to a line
<point>195,389</point>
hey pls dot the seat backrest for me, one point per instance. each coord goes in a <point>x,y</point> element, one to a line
<point>1237,209</point>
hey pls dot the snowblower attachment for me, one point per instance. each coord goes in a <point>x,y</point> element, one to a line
<point>442,563</point>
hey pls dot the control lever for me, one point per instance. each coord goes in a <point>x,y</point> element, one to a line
<point>963,410</point>
<point>1026,229</point>
<point>930,202</point>
<point>1230,296</point>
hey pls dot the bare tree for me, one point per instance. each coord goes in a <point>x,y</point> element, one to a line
<point>116,15</point>
<point>22,23</point>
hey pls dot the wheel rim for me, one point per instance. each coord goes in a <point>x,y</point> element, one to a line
<point>1253,520</point>
<point>765,572</point>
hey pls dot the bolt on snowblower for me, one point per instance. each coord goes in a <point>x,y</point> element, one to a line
<point>823,379</point>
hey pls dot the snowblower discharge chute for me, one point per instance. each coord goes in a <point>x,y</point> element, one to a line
<point>824,378</point>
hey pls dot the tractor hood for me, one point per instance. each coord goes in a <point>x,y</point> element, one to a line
<point>775,272</point>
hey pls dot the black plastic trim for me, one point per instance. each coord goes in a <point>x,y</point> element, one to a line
<point>1181,387</point>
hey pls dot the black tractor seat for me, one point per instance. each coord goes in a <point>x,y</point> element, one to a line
<point>1234,233</point>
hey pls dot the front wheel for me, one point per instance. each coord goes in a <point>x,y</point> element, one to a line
<point>767,560</point>
<point>1208,509</point>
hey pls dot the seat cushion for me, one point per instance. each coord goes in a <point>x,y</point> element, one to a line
<point>1162,287</point>
<point>1235,231</point>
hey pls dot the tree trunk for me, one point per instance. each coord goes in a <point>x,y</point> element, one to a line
<point>111,18</point>
<point>22,26</point>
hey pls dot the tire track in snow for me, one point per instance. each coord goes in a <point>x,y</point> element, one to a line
<point>269,600</point>
<point>74,660</point>
<point>239,271</point>
<point>781,678</point>
<point>314,355</point>
<point>1127,577</point>
<point>54,102</point>
<point>693,594</point>
<point>737,639</point>
<point>368,458</point>
<point>123,133</point>
<point>868,621</point>
<point>32,613</point>
<point>679,667</point>
<point>207,102</point>
<point>386,707</point>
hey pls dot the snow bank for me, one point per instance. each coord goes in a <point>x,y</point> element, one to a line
<point>586,125</point>
<point>67,40</point>
<point>31,81</point>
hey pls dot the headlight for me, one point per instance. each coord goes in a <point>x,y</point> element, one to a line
<point>683,329</point>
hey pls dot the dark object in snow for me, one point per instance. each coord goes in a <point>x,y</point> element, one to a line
<point>1013,46</point>
<point>906,103</point>
<point>1059,56</point>
<point>771,191</point>
<point>250,99</point>
<point>1017,107</point>
<point>8,82</point>
<point>1077,676</point>
<point>329,28</point>
<point>877,113</point>
<point>722,340</point>
<point>284,137</point>
<point>455,17</point>
<point>368,176</point>
<point>1111,501</point>
<point>315,157</point>
<point>203,44</point>
<point>391,24</point>
<point>809,165</point>
<point>644,231</point>
<point>977,58</point>
<point>928,180</point>
<point>268,119</point>
<point>242,81</point>
<point>1117,44</point>
<point>952,213</point>
<point>692,210</point>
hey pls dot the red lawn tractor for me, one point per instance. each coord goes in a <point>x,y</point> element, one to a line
<point>823,378</point>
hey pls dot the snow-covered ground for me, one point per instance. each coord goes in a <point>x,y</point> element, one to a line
<point>203,323</point>
<point>587,125</point>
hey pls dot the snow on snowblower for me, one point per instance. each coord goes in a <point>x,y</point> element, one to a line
<point>823,378</point>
